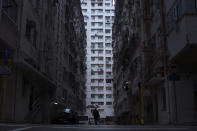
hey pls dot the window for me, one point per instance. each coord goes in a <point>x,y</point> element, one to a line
<point>93,4</point>
<point>100,73</point>
<point>100,80</point>
<point>108,73</point>
<point>100,23</point>
<point>93,58</point>
<point>109,96</point>
<point>100,96</point>
<point>92,23</point>
<point>100,58</point>
<point>100,4</point>
<point>92,88</point>
<point>93,51</point>
<point>101,110</point>
<point>108,103</point>
<point>84,10</point>
<point>173,15</point>
<point>108,88</point>
<point>100,30</point>
<point>92,11</point>
<point>11,10</point>
<point>100,52</point>
<point>92,95</point>
<point>107,18</point>
<point>108,58</point>
<point>100,45</point>
<point>92,45</point>
<point>100,103</point>
<point>100,88</point>
<point>112,18</point>
<point>93,17</point>
<point>108,44</point>
<point>100,17</point>
<point>92,103</point>
<point>92,37</point>
<point>100,37</point>
<point>108,80</point>
<point>108,38</point>
<point>85,17</point>
<point>107,24</point>
<point>100,11</point>
<point>28,29</point>
<point>108,66</point>
<point>107,4</point>
<point>107,11</point>
<point>107,31</point>
<point>108,51</point>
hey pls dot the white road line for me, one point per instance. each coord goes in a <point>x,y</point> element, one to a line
<point>21,129</point>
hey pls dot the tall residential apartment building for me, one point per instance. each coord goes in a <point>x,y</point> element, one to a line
<point>42,59</point>
<point>155,61</point>
<point>99,18</point>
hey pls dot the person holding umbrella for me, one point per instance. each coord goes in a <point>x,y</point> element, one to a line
<point>96,115</point>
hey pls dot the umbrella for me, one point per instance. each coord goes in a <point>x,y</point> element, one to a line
<point>92,106</point>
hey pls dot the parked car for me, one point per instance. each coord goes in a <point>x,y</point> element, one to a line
<point>62,115</point>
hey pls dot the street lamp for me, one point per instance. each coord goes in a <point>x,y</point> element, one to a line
<point>55,103</point>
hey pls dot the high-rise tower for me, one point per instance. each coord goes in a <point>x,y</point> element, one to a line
<point>99,18</point>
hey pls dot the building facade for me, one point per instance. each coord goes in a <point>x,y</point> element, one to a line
<point>42,60</point>
<point>99,16</point>
<point>158,79</point>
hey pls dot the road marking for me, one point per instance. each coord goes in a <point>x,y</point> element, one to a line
<point>21,129</point>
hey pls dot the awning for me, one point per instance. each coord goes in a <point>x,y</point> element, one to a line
<point>35,74</point>
<point>186,58</point>
<point>187,54</point>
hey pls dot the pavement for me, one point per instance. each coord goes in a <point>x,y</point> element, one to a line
<point>34,127</point>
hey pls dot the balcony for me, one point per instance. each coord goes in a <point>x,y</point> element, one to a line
<point>97,84</point>
<point>109,62</point>
<point>96,99</point>
<point>109,76</point>
<point>108,69</point>
<point>109,84</point>
<point>97,40</point>
<point>97,76</point>
<point>96,20</point>
<point>97,54</point>
<point>97,62</point>
<point>97,91</point>
<point>109,99</point>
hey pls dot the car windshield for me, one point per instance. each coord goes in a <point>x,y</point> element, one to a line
<point>67,110</point>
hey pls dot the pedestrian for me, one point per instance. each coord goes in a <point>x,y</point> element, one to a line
<point>96,115</point>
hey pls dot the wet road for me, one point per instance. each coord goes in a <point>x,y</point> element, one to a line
<point>29,127</point>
